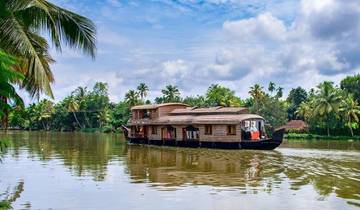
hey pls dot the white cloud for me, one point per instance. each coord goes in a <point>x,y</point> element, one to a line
<point>319,42</point>
<point>264,27</point>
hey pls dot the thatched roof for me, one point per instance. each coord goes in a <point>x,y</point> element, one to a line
<point>154,106</point>
<point>196,119</point>
<point>295,124</point>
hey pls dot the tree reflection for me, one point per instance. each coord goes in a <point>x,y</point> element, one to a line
<point>170,167</point>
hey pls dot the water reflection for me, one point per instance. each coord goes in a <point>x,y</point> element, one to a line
<point>164,168</point>
<point>249,171</point>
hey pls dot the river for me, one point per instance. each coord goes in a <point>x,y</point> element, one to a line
<point>53,170</point>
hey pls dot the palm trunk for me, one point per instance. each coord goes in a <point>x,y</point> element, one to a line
<point>77,121</point>
<point>43,124</point>
<point>350,127</point>
<point>86,120</point>
<point>351,131</point>
<point>327,125</point>
<point>328,131</point>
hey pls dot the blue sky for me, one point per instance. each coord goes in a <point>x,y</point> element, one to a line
<point>194,43</point>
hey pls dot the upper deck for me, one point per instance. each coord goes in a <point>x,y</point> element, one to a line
<point>179,113</point>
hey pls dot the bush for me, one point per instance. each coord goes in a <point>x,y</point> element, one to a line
<point>107,129</point>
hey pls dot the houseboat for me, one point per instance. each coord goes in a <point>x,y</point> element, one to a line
<point>178,124</point>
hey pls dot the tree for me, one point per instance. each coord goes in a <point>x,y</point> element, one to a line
<point>351,111</point>
<point>22,24</point>
<point>44,110</point>
<point>257,94</point>
<point>352,85</point>
<point>171,93</point>
<point>143,90</point>
<point>195,101</point>
<point>303,111</point>
<point>81,95</point>
<point>73,107</point>
<point>279,92</point>
<point>327,103</point>
<point>295,98</point>
<point>120,114</point>
<point>8,92</point>
<point>217,95</point>
<point>132,98</point>
<point>104,117</point>
<point>272,86</point>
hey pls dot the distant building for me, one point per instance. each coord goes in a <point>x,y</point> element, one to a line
<point>296,125</point>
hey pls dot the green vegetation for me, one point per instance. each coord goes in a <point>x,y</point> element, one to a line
<point>11,196</point>
<point>327,109</point>
<point>24,52</point>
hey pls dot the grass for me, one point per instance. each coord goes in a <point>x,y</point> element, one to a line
<point>322,137</point>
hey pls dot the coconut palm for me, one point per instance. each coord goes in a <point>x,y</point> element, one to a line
<point>303,111</point>
<point>257,95</point>
<point>44,111</point>
<point>351,110</point>
<point>7,91</point>
<point>132,98</point>
<point>272,86</point>
<point>328,102</point>
<point>81,93</point>
<point>104,117</point>
<point>73,107</point>
<point>279,92</point>
<point>22,24</point>
<point>171,93</point>
<point>143,90</point>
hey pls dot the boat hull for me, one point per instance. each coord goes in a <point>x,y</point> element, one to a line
<point>263,144</point>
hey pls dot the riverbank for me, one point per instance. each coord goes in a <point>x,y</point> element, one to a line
<point>310,136</point>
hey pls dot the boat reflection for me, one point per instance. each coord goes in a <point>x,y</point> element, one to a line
<point>248,171</point>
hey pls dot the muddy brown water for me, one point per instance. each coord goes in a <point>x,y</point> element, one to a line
<point>101,171</point>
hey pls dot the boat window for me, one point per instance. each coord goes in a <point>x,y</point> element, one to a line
<point>253,129</point>
<point>146,113</point>
<point>208,129</point>
<point>153,130</point>
<point>231,130</point>
<point>190,132</point>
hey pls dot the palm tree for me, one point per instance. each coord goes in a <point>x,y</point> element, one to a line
<point>171,93</point>
<point>279,92</point>
<point>257,94</point>
<point>7,91</point>
<point>272,86</point>
<point>143,90</point>
<point>132,97</point>
<point>73,107</point>
<point>104,117</point>
<point>351,111</point>
<point>22,24</point>
<point>80,93</point>
<point>328,102</point>
<point>44,111</point>
<point>303,111</point>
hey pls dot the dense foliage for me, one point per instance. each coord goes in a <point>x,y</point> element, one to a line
<point>327,109</point>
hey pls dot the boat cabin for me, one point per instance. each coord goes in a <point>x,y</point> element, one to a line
<point>176,123</point>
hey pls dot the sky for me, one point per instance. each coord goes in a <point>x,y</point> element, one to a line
<point>195,43</point>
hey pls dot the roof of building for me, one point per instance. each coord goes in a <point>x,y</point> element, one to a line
<point>210,110</point>
<point>197,119</point>
<point>295,124</point>
<point>154,106</point>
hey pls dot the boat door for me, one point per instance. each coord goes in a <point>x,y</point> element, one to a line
<point>163,133</point>
<point>145,131</point>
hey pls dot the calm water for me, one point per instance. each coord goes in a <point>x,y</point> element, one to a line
<point>99,171</point>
